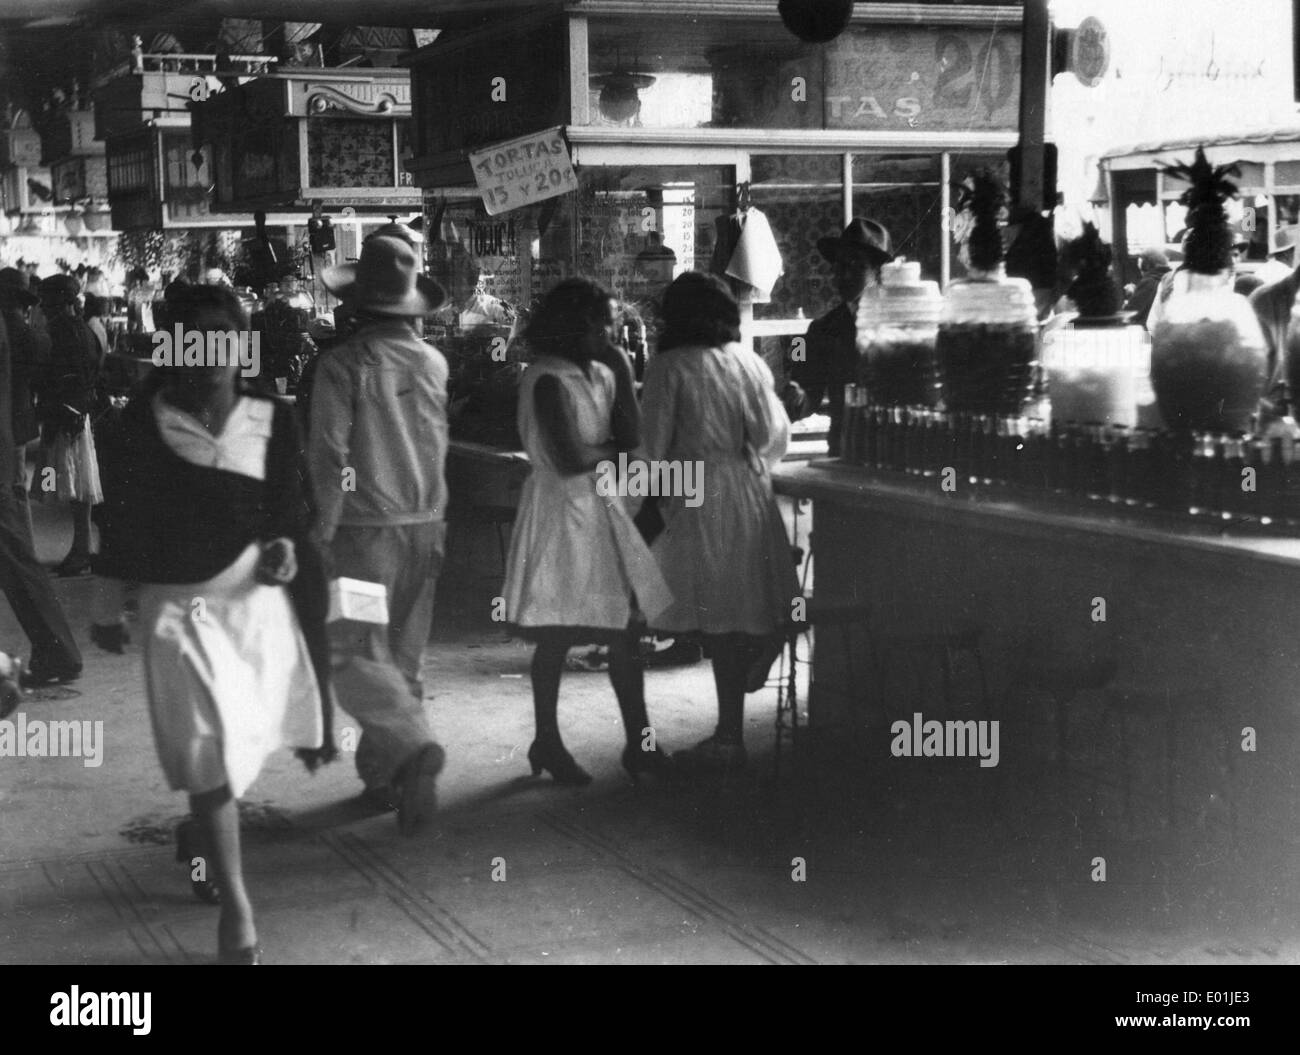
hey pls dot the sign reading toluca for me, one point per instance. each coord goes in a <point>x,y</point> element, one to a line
<point>524,170</point>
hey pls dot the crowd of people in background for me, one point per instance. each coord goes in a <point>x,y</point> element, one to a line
<point>272,504</point>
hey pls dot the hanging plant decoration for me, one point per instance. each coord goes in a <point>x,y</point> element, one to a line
<point>816,21</point>
<point>981,215</point>
<point>1208,249</point>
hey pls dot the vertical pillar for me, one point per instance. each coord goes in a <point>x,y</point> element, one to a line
<point>1036,49</point>
<point>846,184</point>
<point>945,224</point>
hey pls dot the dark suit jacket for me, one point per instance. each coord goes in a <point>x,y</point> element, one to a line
<point>29,351</point>
<point>831,363</point>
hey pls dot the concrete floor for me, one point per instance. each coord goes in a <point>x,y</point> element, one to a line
<point>915,861</point>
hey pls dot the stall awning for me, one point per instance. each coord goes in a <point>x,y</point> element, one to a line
<point>1263,145</point>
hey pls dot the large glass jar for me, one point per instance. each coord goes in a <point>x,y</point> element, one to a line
<point>988,344</point>
<point>1097,370</point>
<point>1208,356</point>
<point>898,324</point>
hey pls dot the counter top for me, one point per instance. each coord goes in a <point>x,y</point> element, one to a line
<point>1004,510</point>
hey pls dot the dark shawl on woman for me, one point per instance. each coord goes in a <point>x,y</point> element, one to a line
<point>166,520</point>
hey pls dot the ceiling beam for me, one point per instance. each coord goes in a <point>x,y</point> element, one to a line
<point>418,13</point>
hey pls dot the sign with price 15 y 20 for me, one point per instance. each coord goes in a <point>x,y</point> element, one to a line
<point>524,170</point>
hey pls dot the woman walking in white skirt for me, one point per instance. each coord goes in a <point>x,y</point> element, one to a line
<point>578,570</point>
<point>710,402</point>
<point>205,504</point>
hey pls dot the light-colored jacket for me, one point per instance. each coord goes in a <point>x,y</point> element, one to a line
<point>379,409</point>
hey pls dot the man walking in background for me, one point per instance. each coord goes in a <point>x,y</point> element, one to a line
<point>377,452</point>
<point>26,584</point>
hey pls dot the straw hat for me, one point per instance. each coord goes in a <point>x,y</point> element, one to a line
<point>866,235</point>
<point>386,280</point>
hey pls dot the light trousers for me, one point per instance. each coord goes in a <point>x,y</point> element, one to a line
<point>376,669</point>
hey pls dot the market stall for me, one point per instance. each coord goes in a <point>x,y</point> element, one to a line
<point>1141,198</point>
<point>676,141</point>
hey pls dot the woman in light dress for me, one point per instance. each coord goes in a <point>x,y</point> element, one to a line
<point>578,571</point>
<point>205,505</point>
<point>726,557</point>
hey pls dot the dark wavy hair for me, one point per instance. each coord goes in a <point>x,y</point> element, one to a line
<point>565,316</point>
<point>698,309</point>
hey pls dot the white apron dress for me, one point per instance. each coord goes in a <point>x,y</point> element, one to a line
<point>575,556</point>
<point>227,670</point>
<point>727,560</point>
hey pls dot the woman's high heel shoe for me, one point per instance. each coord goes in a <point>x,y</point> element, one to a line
<point>637,761</point>
<point>553,758</point>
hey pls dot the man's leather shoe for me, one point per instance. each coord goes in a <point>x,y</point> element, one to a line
<point>37,677</point>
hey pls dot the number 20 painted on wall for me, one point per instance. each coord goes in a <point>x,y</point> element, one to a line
<point>996,82</point>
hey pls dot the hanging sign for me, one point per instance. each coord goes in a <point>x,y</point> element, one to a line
<point>1090,52</point>
<point>524,170</point>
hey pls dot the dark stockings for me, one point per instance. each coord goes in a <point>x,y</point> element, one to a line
<point>625,674</point>
<point>80,530</point>
<point>733,654</point>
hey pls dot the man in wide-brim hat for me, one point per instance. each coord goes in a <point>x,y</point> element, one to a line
<point>377,451</point>
<point>830,350</point>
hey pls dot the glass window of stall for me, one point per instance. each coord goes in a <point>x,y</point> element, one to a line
<point>639,227</point>
<point>729,73</point>
<point>704,73</point>
<point>903,192</point>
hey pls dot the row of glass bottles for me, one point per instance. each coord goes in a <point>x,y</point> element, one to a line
<point>1204,474</point>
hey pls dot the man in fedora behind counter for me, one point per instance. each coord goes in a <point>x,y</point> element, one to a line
<point>377,452</point>
<point>831,353</point>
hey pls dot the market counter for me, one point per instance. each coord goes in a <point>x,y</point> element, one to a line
<point>1052,585</point>
<point>481,475</point>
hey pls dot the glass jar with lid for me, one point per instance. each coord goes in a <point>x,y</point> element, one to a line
<point>988,343</point>
<point>898,324</point>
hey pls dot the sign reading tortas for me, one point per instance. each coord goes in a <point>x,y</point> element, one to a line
<point>524,170</point>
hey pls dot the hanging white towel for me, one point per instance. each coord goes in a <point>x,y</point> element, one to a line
<point>756,259</point>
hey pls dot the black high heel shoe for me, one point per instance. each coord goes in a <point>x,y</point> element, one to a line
<point>637,761</point>
<point>553,758</point>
